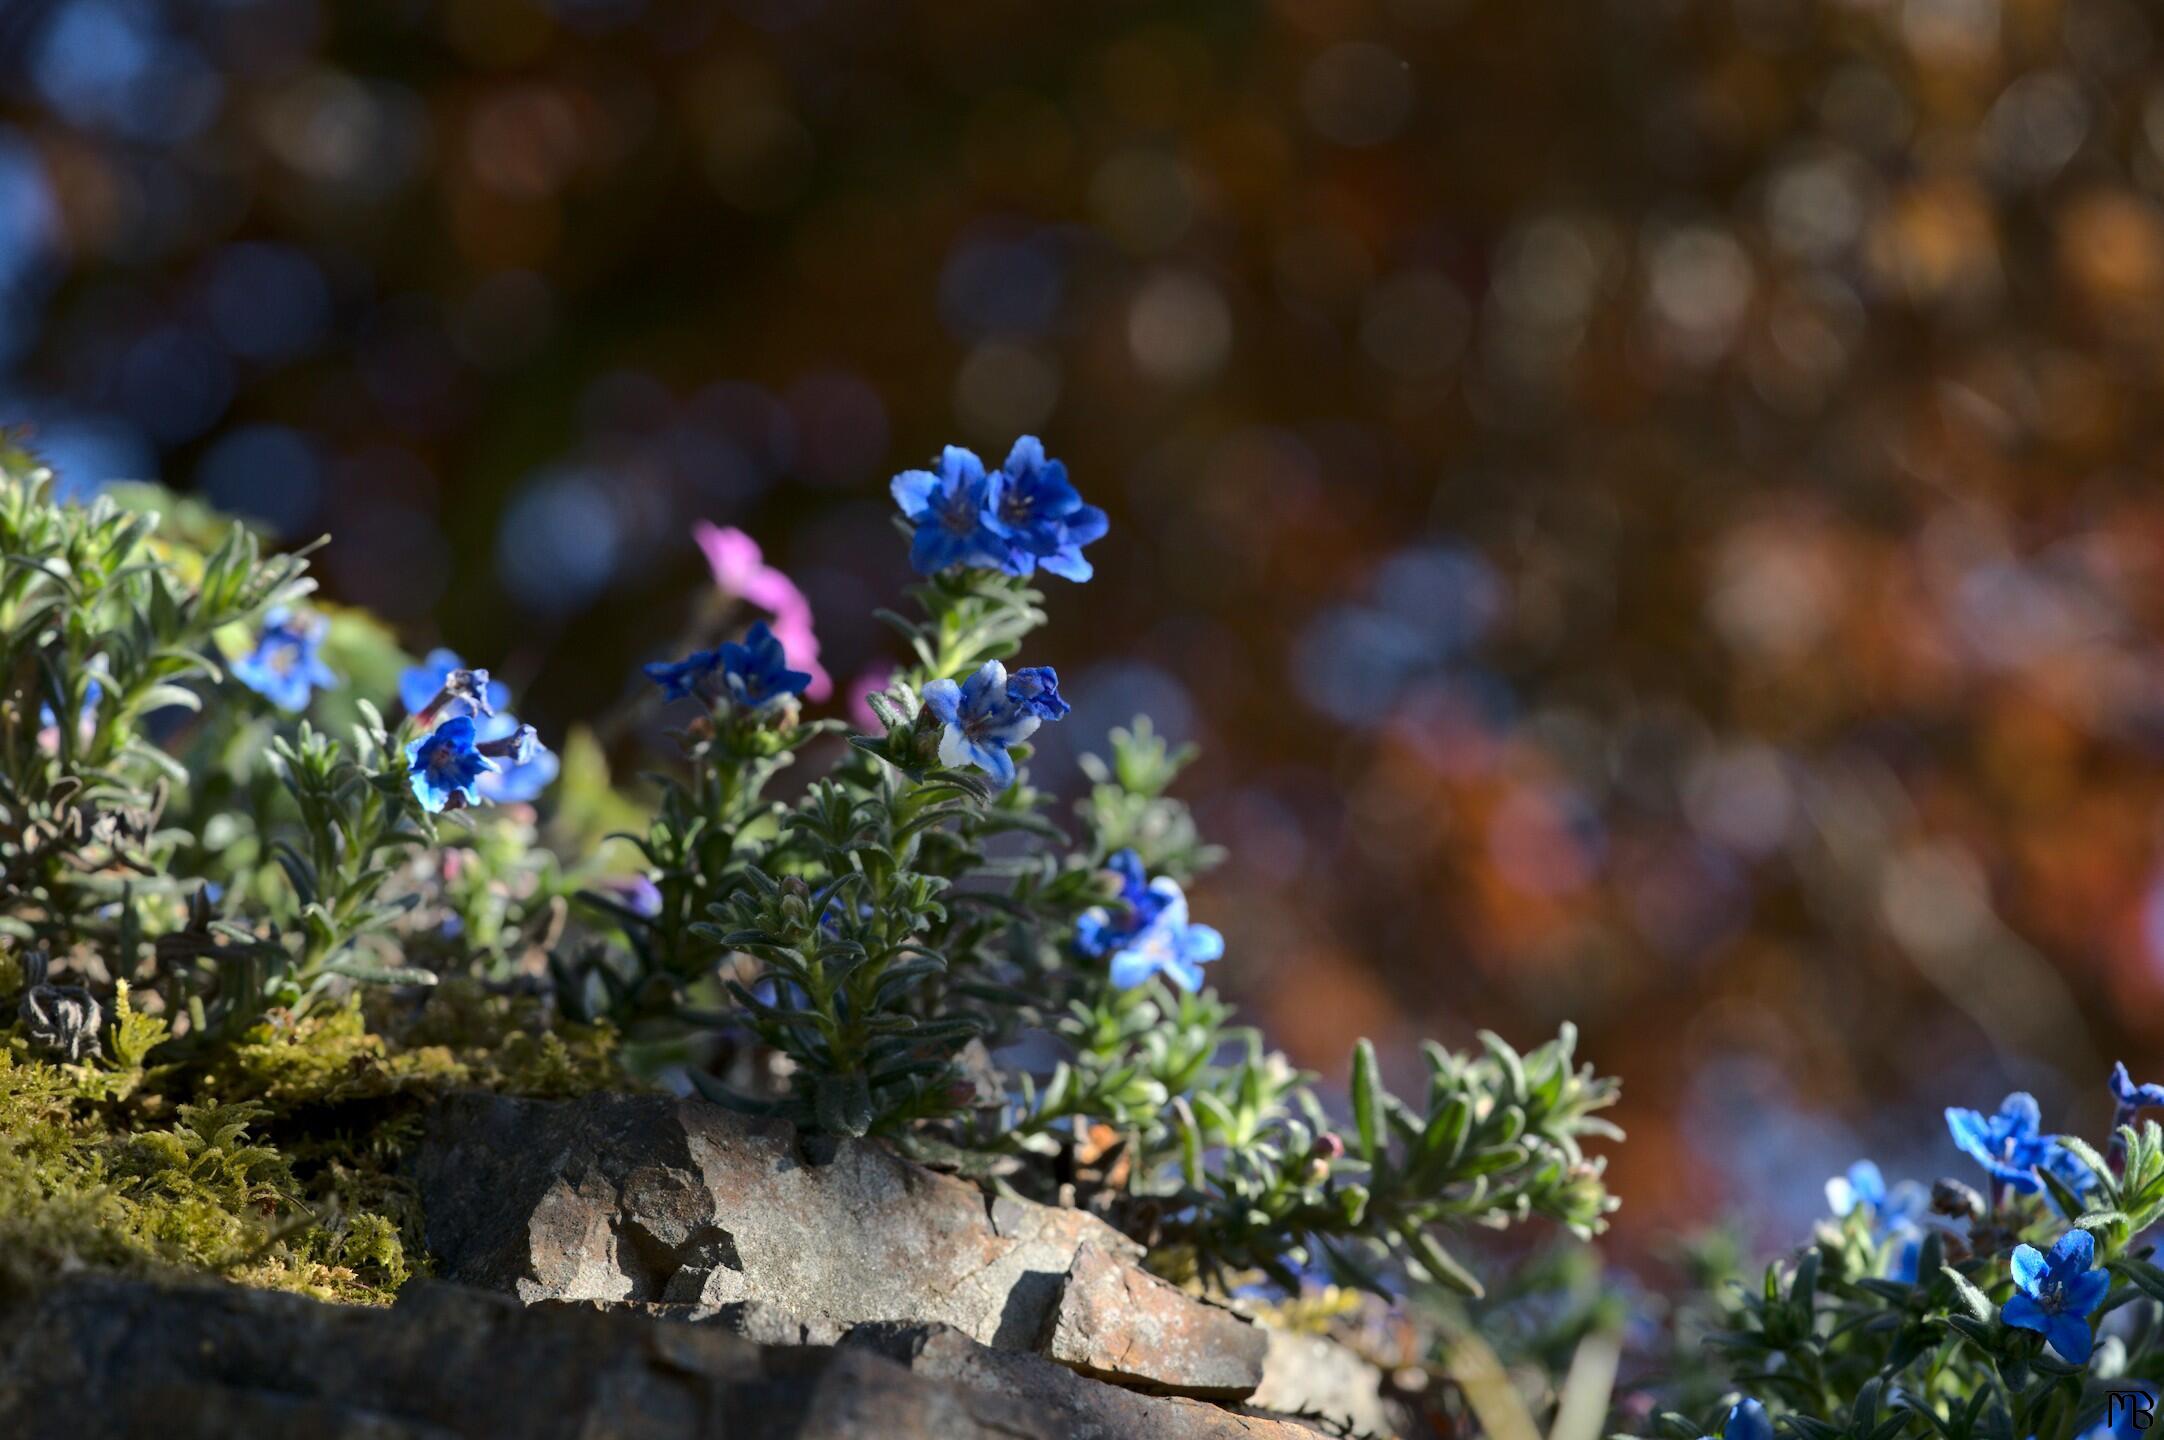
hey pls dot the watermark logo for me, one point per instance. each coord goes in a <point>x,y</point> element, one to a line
<point>2136,1406</point>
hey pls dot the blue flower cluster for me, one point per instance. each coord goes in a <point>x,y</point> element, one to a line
<point>2011,1147</point>
<point>528,767</point>
<point>754,674</point>
<point>1017,519</point>
<point>990,711</point>
<point>1149,933</point>
<point>286,667</point>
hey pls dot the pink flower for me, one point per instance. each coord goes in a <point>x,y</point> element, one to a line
<point>741,571</point>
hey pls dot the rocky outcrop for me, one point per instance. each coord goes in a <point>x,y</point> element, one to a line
<point>104,1359</point>
<point>658,1201</point>
<point>1116,1321</point>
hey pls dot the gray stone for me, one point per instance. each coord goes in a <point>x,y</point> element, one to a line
<point>1074,1407</point>
<point>102,1359</point>
<point>654,1199</point>
<point>1116,1321</point>
<point>1306,1374</point>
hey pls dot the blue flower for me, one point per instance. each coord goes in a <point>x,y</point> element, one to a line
<point>2011,1146</point>
<point>421,688</point>
<point>1747,1420</point>
<point>1170,945</point>
<point>1040,516</point>
<point>680,679</point>
<point>987,713</point>
<point>951,512</point>
<point>1036,687</point>
<point>524,766</point>
<point>2057,1293</point>
<point>757,672</point>
<point>285,667</point>
<point>444,764</point>
<point>1865,1186</point>
<point>1100,929</point>
<point>2132,1097</point>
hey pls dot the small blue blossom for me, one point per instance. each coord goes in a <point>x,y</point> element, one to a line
<point>2057,1293</point>
<point>1865,1186</point>
<point>1101,929</point>
<point>445,763</point>
<point>637,893</point>
<point>987,713</point>
<point>1040,516</point>
<point>421,686</point>
<point>680,679</point>
<point>757,672</point>
<point>1747,1420</point>
<point>524,766</point>
<point>1036,687</point>
<point>2011,1146</point>
<point>950,509</point>
<point>285,668</point>
<point>2132,1097</point>
<point>1170,945</point>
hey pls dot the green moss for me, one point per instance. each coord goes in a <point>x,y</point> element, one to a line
<point>280,1164</point>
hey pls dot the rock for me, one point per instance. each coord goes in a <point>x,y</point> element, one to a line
<point>107,1359</point>
<point>1115,1321</point>
<point>1307,1374</point>
<point>102,1359</point>
<point>1071,1406</point>
<point>654,1199</point>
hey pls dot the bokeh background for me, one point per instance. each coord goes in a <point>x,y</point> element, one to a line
<point>1650,506</point>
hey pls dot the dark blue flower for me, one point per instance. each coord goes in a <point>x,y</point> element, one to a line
<point>422,688</point>
<point>987,713</point>
<point>1747,1420</point>
<point>1170,945</point>
<point>524,766</point>
<point>2058,1292</point>
<point>285,667</point>
<point>757,672</point>
<point>1040,515</point>
<point>2132,1097</point>
<point>2011,1146</point>
<point>1101,928</point>
<point>680,679</point>
<point>1036,688</point>
<point>445,763</point>
<point>950,509</point>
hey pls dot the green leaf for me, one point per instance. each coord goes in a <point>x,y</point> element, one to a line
<point>1367,1101</point>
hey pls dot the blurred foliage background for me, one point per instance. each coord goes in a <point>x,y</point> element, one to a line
<point>1650,506</point>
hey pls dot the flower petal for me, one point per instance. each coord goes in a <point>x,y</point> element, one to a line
<point>2030,1267</point>
<point>2023,1313</point>
<point>2020,1115</point>
<point>1970,1131</point>
<point>2074,1253</point>
<point>2085,1292</point>
<point>912,491</point>
<point>2071,1337</point>
<point>944,699</point>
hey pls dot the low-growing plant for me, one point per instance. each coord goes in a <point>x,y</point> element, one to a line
<point>214,847</point>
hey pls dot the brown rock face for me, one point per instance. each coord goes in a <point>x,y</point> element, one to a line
<point>104,1359</point>
<point>1118,1322</point>
<point>648,1198</point>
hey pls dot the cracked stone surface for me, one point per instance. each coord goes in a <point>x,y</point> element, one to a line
<point>652,1199</point>
<point>97,1358</point>
<point>104,1359</point>
<point>1117,1322</point>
